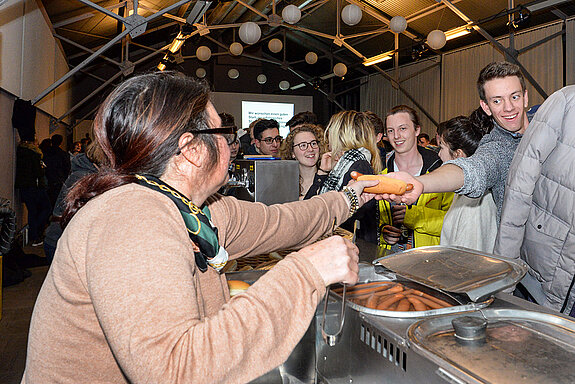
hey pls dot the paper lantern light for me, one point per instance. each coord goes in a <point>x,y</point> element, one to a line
<point>340,69</point>
<point>284,85</point>
<point>291,14</point>
<point>236,49</point>
<point>351,14</point>
<point>201,73</point>
<point>398,24</point>
<point>262,78</point>
<point>250,32</point>
<point>233,73</point>
<point>275,45</point>
<point>436,39</point>
<point>203,53</point>
<point>311,58</point>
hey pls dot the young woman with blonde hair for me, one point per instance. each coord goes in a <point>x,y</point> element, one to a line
<point>353,147</point>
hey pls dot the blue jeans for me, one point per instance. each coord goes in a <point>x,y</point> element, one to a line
<point>39,208</point>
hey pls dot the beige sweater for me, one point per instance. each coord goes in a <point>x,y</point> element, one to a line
<point>124,302</point>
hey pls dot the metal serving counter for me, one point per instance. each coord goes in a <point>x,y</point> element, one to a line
<point>488,338</point>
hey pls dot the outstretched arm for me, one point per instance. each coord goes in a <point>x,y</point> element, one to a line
<point>447,178</point>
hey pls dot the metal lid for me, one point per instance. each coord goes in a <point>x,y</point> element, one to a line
<point>519,347</point>
<point>456,270</point>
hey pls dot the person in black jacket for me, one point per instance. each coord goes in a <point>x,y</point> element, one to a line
<point>82,164</point>
<point>57,167</point>
<point>31,183</point>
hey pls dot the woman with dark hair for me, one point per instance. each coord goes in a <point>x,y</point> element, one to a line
<point>469,222</point>
<point>135,293</point>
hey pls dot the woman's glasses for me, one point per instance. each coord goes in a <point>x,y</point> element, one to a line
<point>229,133</point>
<point>303,145</point>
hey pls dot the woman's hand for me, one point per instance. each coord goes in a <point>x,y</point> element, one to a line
<point>326,162</point>
<point>390,234</point>
<point>335,258</point>
<point>358,187</point>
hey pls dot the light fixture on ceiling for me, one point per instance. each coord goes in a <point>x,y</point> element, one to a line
<point>284,85</point>
<point>275,45</point>
<point>201,73</point>
<point>378,58</point>
<point>458,32</point>
<point>236,48</point>
<point>340,69</point>
<point>436,39</point>
<point>203,53</point>
<point>311,57</point>
<point>398,24</point>
<point>233,73</point>
<point>177,43</point>
<point>163,63</point>
<point>250,32</point>
<point>351,14</point>
<point>262,78</point>
<point>291,14</point>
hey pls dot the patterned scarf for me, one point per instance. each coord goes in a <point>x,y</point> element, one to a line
<point>198,222</point>
<point>334,181</point>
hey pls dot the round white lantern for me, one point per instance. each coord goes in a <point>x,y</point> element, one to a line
<point>275,45</point>
<point>262,78</point>
<point>201,73</point>
<point>436,39</point>
<point>311,58</point>
<point>203,53</point>
<point>398,24</point>
<point>236,49</point>
<point>284,85</point>
<point>250,32</point>
<point>291,14</point>
<point>351,14</point>
<point>233,73</point>
<point>340,69</point>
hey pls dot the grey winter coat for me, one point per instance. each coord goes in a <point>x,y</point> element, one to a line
<point>537,222</point>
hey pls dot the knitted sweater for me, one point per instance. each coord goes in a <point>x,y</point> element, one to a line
<point>124,302</point>
<point>487,168</point>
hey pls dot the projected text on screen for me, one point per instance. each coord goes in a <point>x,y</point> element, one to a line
<point>282,112</point>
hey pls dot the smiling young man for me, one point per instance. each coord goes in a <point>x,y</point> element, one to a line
<point>402,227</point>
<point>503,96</point>
<point>267,137</point>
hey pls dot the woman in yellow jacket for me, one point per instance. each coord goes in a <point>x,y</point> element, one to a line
<point>403,227</point>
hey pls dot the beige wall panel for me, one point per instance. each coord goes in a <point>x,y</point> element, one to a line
<point>11,24</point>
<point>62,99</point>
<point>7,147</point>
<point>38,57</point>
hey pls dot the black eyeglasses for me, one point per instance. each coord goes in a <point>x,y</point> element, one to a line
<point>229,133</point>
<point>270,140</point>
<point>303,145</point>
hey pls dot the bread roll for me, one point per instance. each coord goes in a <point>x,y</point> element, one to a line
<point>237,286</point>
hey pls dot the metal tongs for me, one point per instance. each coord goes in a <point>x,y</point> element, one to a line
<point>332,340</point>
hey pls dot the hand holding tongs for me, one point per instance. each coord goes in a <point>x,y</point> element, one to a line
<point>332,340</point>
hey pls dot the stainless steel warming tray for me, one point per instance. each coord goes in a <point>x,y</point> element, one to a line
<point>381,347</point>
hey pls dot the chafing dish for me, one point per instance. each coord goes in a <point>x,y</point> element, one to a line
<point>518,342</point>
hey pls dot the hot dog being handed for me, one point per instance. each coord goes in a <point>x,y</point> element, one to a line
<point>386,185</point>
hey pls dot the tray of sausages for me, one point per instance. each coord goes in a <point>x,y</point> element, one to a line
<point>402,299</point>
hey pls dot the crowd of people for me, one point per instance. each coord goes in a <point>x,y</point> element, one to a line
<point>151,302</point>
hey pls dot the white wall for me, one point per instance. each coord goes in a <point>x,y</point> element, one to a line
<point>30,61</point>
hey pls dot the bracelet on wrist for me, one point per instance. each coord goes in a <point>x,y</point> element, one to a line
<point>353,200</point>
<point>322,170</point>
